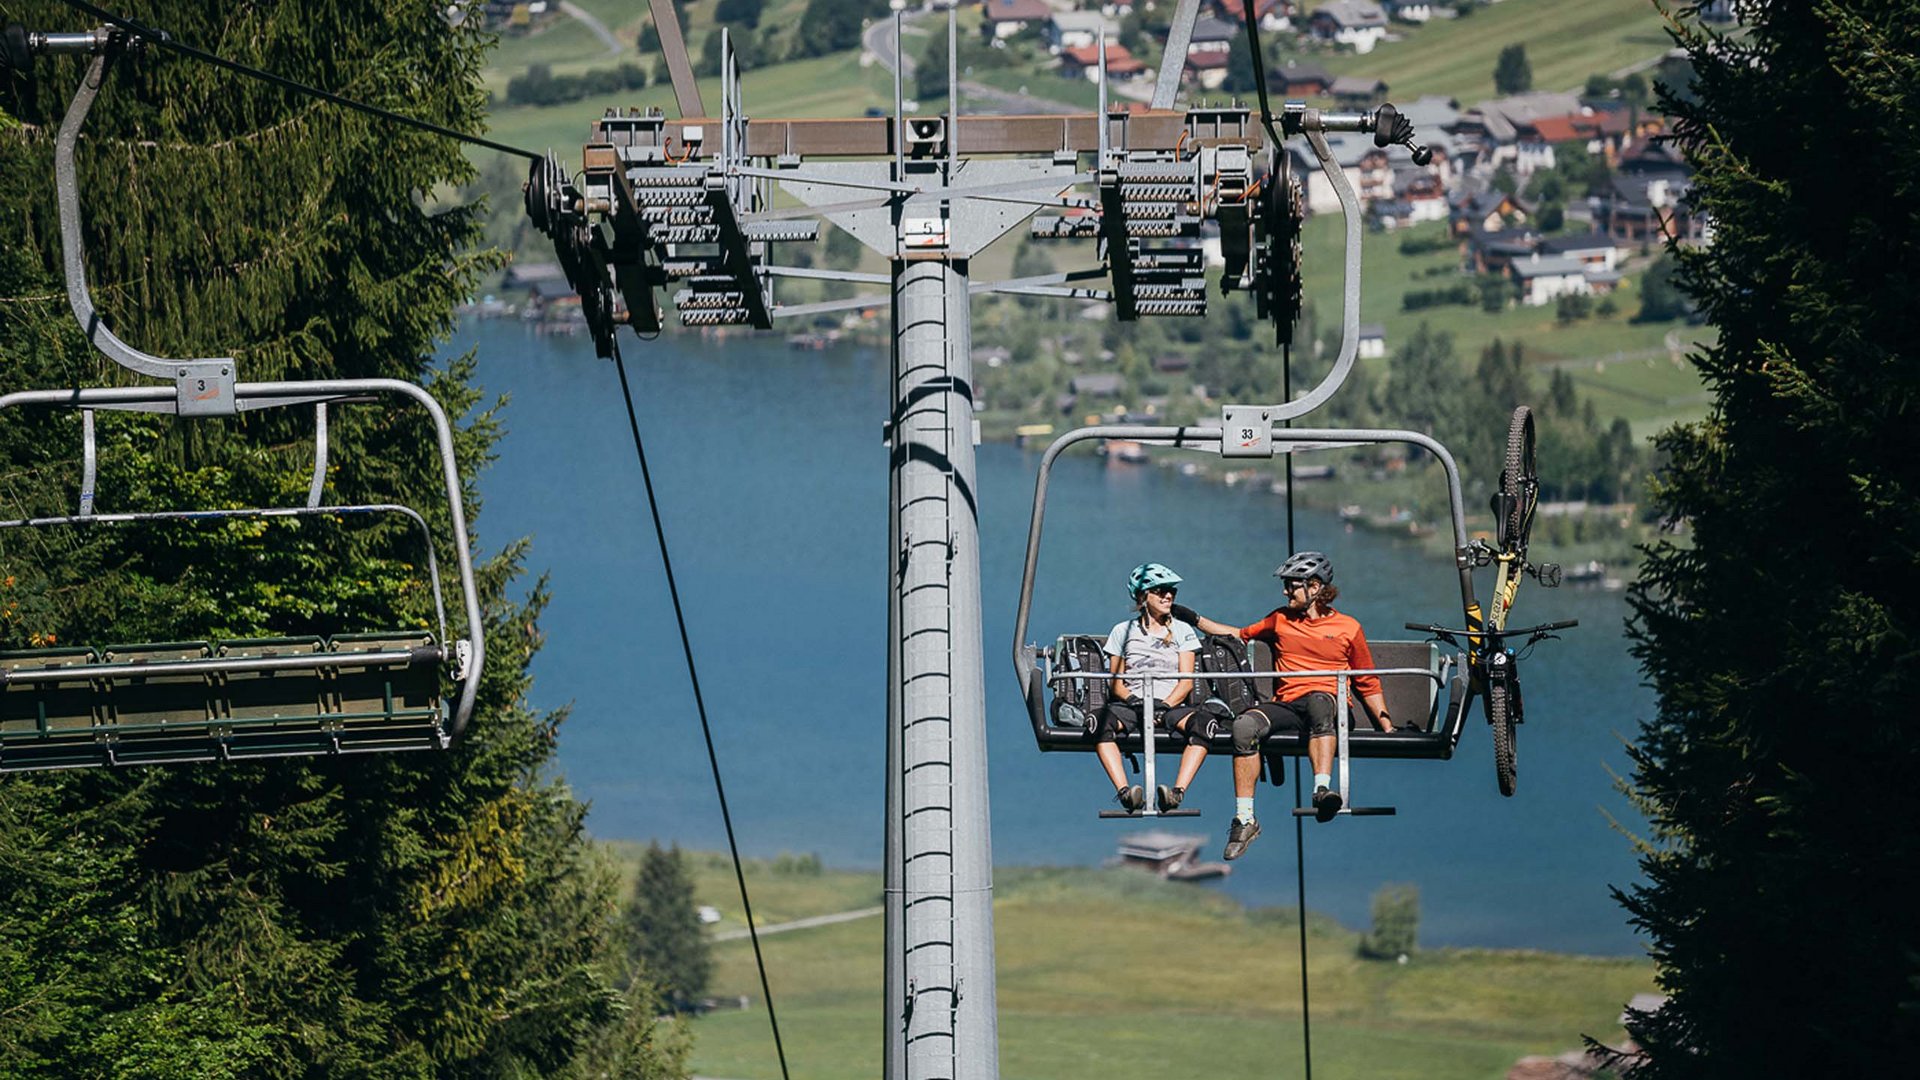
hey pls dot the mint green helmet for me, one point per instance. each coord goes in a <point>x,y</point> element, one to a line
<point>1147,576</point>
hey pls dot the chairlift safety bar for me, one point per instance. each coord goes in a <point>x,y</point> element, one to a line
<point>1150,738</point>
<point>269,394</point>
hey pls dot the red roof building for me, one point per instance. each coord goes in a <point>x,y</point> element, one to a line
<point>1081,59</point>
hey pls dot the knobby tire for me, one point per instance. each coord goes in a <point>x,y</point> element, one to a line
<point>1520,479</point>
<point>1501,713</point>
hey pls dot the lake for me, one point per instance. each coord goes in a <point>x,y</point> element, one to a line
<point>772,482</point>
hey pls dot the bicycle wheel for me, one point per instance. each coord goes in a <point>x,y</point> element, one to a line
<point>1520,479</point>
<point>1502,713</point>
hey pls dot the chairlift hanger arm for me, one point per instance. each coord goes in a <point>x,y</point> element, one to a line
<point>212,374</point>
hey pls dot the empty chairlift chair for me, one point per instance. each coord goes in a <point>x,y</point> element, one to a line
<point>139,703</point>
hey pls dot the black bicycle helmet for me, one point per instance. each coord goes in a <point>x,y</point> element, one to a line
<point>1307,564</point>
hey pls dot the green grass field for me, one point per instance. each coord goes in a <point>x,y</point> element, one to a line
<point>1566,40</point>
<point>1217,994</point>
<point>1624,365</point>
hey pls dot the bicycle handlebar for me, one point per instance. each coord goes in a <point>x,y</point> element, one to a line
<point>1543,628</point>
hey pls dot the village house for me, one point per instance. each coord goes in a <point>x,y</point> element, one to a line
<point>1083,61</point>
<point>1495,251</point>
<point>1358,24</point>
<point>1358,91</point>
<point>1647,202</point>
<point>1071,29</point>
<point>1418,195</point>
<point>1001,19</point>
<point>1272,15</point>
<point>1488,211</point>
<point>1595,250</point>
<point>1300,81</point>
<point>1213,35</point>
<point>1545,278</point>
<point>1207,70</point>
<point>1373,341</point>
<point>1488,134</point>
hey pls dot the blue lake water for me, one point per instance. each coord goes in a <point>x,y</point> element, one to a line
<point>771,478</point>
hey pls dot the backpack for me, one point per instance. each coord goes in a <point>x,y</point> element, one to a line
<point>1230,688</point>
<point>1077,701</point>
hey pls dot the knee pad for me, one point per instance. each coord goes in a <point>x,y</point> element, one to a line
<point>1248,729</point>
<point>1199,729</point>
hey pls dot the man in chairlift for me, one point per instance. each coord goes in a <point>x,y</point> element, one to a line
<point>1306,635</point>
<point>1152,642</point>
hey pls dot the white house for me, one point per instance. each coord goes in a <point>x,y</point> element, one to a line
<point>1005,18</point>
<point>1545,278</point>
<point>1373,341</point>
<point>1356,23</point>
<point>1078,29</point>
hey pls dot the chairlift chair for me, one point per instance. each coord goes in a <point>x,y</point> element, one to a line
<point>120,704</point>
<point>1421,684</point>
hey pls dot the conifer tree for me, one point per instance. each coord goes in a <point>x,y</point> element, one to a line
<point>662,931</point>
<point>1778,774</point>
<point>419,914</point>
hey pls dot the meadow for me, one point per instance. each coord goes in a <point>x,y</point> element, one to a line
<point>1108,970</point>
<point>1566,41</point>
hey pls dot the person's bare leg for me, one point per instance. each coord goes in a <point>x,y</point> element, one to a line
<point>1110,760</point>
<point>1246,773</point>
<point>1190,760</point>
<point>1320,751</point>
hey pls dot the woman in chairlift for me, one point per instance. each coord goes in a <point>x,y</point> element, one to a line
<point>1151,643</point>
<point>1306,635</point>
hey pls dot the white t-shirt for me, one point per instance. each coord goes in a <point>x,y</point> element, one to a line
<point>1148,654</point>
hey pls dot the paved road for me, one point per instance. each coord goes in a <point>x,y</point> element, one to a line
<point>801,924</point>
<point>614,47</point>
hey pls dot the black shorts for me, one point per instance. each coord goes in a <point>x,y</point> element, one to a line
<point>1117,718</point>
<point>1313,713</point>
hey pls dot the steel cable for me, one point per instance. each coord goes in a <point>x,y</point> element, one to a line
<point>699,702</point>
<point>167,41</point>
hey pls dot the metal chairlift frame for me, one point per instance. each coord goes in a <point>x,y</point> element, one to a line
<point>208,387</point>
<point>1250,431</point>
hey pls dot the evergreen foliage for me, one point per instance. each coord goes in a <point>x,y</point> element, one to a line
<point>930,73</point>
<point>1778,773</point>
<point>661,929</point>
<point>402,915</point>
<point>1512,74</point>
<point>829,26</point>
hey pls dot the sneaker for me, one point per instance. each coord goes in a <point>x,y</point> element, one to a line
<point>1131,798</point>
<point>1169,798</point>
<point>1326,803</point>
<point>1239,835</point>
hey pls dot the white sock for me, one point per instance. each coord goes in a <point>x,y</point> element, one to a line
<point>1243,808</point>
<point>1322,780</point>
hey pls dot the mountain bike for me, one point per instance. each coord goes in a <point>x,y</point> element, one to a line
<point>1492,664</point>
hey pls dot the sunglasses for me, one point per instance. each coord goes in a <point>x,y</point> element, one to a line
<point>1291,584</point>
<point>1163,590</point>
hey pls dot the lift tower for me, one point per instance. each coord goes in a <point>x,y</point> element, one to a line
<point>689,205</point>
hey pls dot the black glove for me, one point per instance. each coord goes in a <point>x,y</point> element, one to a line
<point>1186,615</point>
